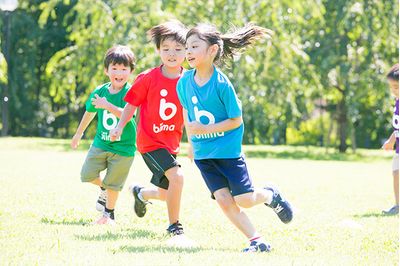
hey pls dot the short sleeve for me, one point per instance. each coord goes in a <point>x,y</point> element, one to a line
<point>232,103</point>
<point>180,90</point>
<point>137,94</point>
<point>89,106</point>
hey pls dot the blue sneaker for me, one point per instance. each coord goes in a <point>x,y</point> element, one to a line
<point>280,206</point>
<point>256,246</point>
<point>392,211</point>
<point>175,229</point>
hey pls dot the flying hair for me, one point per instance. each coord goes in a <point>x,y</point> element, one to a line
<point>233,42</point>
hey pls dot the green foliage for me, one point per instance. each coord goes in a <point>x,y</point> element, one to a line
<point>329,52</point>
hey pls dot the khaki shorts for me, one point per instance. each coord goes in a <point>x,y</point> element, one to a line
<point>117,167</point>
<point>395,163</point>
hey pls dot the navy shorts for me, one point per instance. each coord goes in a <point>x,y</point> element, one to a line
<point>159,161</point>
<point>229,173</point>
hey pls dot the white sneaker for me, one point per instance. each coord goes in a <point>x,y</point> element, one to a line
<point>101,201</point>
<point>104,220</point>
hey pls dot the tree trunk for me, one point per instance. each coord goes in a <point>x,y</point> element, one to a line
<point>342,123</point>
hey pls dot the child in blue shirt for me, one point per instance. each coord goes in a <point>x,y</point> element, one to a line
<point>213,120</point>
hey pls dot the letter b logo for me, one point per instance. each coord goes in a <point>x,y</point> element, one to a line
<point>109,116</point>
<point>164,106</point>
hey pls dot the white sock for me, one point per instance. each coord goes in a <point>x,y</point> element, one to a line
<point>269,195</point>
<point>256,238</point>
<point>140,196</point>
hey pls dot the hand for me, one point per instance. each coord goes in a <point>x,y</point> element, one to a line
<point>75,141</point>
<point>388,145</point>
<point>196,128</point>
<point>115,134</point>
<point>99,102</point>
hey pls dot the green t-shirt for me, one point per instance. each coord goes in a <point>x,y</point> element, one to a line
<point>106,121</point>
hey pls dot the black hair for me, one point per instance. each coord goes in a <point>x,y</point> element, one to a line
<point>232,42</point>
<point>393,73</point>
<point>171,29</point>
<point>120,54</point>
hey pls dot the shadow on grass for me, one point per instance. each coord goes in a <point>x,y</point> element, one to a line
<point>372,215</point>
<point>300,155</point>
<point>132,234</point>
<point>164,249</point>
<point>65,221</point>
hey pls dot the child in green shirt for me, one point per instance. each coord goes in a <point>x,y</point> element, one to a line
<point>107,101</point>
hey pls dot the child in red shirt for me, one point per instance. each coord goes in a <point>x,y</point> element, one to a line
<point>161,124</point>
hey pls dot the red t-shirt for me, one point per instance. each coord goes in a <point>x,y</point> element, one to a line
<point>160,117</point>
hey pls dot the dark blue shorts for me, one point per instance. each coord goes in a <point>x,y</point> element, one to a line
<point>229,173</point>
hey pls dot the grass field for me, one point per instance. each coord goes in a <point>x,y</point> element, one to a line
<point>338,200</point>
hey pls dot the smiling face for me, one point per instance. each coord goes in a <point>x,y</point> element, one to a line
<point>198,52</point>
<point>172,53</point>
<point>118,75</point>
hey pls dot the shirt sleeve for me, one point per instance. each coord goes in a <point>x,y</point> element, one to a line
<point>232,103</point>
<point>137,94</point>
<point>180,90</point>
<point>89,106</point>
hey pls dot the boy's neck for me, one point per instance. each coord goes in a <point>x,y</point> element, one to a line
<point>171,72</point>
<point>203,74</point>
<point>113,89</point>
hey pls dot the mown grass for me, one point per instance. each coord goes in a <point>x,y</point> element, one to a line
<point>46,211</point>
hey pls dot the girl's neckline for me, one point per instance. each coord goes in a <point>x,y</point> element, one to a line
<point>207,81</point>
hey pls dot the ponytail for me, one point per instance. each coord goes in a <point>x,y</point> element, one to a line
<point>235,41</point>
<point>231,43</point>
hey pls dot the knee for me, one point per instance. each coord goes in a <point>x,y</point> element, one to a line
<point>226,203</point>
<point>244,202</point>
<point>175,179</point>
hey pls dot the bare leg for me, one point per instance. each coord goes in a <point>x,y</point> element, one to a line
<point>97,182</point>
<point>174,193</point>
<point>251,199</point>
<point>112,197</point>
<point>234,213</point>
<point>154,193</point>
<point>396,186</point>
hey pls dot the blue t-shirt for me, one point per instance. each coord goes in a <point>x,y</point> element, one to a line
<point>211,103</point>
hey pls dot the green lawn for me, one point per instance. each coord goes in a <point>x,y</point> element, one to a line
<point>338,201</point>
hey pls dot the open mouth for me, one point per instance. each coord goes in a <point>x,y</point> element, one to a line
<point>118,80</point>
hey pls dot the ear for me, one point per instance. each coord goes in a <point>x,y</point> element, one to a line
<point>106,71</point>
<point>214,49</point>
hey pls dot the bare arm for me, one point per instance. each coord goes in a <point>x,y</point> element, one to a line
<point>225,125</point>
<point>85,121</point>
<point>126,115</point>
<point>389,143</point>
<point>102,103</point>
<point>190,148</point>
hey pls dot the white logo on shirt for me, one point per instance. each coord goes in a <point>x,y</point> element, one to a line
<point>106,118</point>
<point>199,113</point>
<point>164,106</point>
<point>211,120</point>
